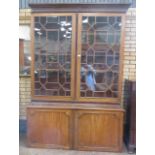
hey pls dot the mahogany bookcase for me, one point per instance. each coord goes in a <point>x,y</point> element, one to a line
<point>77,61</point>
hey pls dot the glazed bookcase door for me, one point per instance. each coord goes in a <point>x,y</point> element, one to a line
<point>53,56</point>
<point>99,57</point>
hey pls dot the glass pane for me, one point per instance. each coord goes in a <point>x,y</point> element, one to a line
<point>24,50</point>
<point>100,56</point>
<point>111,38</point>
<point>52,26</point>
<point>102,19</point>
<point>100,59</point>
<point>112,20</point>
<point>52,19</point>
<point>85,25</point>
<point>52,58</point>
<point>38,27</point>
<point>27,58</point>
<point>101,37</point>
<point>102,26</point>
<point>52,76</point>
<point>53,36</point>
<point>42,20</point>
<point>91,38</point>
<point>91,21</point>
<point>84,37</point>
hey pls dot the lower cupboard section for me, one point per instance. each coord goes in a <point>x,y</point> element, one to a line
<point>99,130</point>
<point>49,128</point>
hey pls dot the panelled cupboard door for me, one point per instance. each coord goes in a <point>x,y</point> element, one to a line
<point>53,49</point>
<point>98,130</point>
<point>99,58</point>
<point>49,128</point>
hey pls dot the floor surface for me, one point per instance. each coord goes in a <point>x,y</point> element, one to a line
<point>23,150</point>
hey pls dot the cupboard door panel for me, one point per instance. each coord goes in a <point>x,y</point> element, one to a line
<point>99,57</point>
<point>53,56</point>
<point>98,130</point>
<point>49,128</point>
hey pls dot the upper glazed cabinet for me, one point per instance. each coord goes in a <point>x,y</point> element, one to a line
<point>77,57</point>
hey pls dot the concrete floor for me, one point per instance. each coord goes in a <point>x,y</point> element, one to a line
<point>23,150</point>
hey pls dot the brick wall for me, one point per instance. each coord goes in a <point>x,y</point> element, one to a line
<point>25,81</point>
<point>129,52</point>
<point>24,16</point>
<point>24,95</point>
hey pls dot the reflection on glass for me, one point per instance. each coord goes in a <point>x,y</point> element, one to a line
<point>52,76</point>
<point>52,19</point>
<point>90,78</point>
<point>52,58</point>
<point>91,38</point>
<point>102,26</point>
<point>112,20</point>
<point>85,25</point>
<point>25,58</point>
<point>102,19</point>
<point>43,20</point>
<point>100,44</point>
<point>24,50</point>
<point>91,20</point>
<point>84,37</point>
<point>101,37</point>
<point>110,38</point>
<point>53,36</point>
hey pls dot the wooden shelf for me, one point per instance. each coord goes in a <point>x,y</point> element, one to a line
<point>62,105</point>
